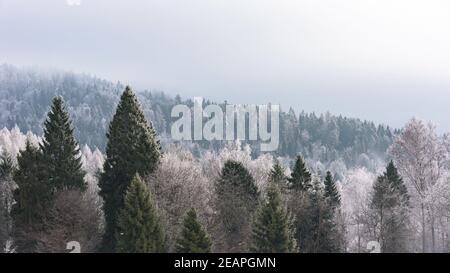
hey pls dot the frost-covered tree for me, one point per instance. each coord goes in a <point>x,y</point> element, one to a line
<point>132,148</point>
<point>236,201</point>
<point>193,237</point>
<point>273,230</point>
<point>7,186</point>
<point>355,196</point>
<point>421,157</point>
<point>139,229</point>
<point>179,184</point>
<point>60,150</point>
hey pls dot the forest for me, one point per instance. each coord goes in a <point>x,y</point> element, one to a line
<point>90,161</point>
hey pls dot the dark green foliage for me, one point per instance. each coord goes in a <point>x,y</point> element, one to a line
<point>235,175</point>
<point>273,229</point>
<point>300,179</point>
<point>139,229</point>
<point>389,209</point>
<point>237,199</point>
<point>278,177</point>
<point>194,238</point>
<point>60,150</point>
<point>33,197</point>
<point>323,235</point>
<point>331,191</point>
<point>132,148</point>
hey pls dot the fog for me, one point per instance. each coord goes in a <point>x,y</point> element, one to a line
<point>380,60</point>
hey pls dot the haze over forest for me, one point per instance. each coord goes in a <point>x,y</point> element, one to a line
<point>378,60</point>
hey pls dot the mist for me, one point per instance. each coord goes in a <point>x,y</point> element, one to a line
<point>379,60</point>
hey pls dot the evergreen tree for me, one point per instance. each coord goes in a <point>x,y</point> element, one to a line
<point>132,148</point>
<point>331,191</point>
<point>300,185</point>
<point>139,229</point>
<point>33,196</point>
<point>273,228</point>
<point>389,209</point>
<point>300,178</point>
<point>60,150</point>
<point>278,177</point>
<point>323,234</point>
<point>237,198</point>
<point>194,238</point>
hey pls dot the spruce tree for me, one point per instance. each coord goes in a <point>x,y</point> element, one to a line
<point>60,150</point>
<point>132,148</point>
<point>300,179</point>
<point>389,208</point>
<point>273,228</point>
<point>278,177</point>
<point>33,196</point>
<point>237,199</point>
<point>139,229</point>
<point>323,234</point>
<point>300,185</point>
<point>194,238</point>
<point>331,191</point>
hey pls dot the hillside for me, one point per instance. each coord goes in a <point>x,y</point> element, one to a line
<point>25,95</point>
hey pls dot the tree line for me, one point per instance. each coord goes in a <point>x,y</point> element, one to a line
<point>296,210</point>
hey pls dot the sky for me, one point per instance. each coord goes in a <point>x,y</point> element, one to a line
<point>382,60</point>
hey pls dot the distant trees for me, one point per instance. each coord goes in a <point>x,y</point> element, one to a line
<point>319,137</point>
<point>132,148</point>
<point>138,226</point>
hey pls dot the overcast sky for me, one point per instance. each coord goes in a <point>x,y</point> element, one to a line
<point>383,60</point>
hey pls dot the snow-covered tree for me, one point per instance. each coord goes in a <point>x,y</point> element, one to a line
<point>422,160</point>
<point>179,184</point>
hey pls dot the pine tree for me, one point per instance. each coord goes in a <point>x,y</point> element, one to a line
<point>389,207</point>
<point>237,199</point>
<point>60,150</point>
<point>194,238</point>
<point>273,229</point>
<point>34,196</point>
<point>300,179</point>
<point>331,191</point>
<point>139,229</point>
<point>324,236</point>
<point>278,176</point>
<point>132,148</point>
<point>300,185</point>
